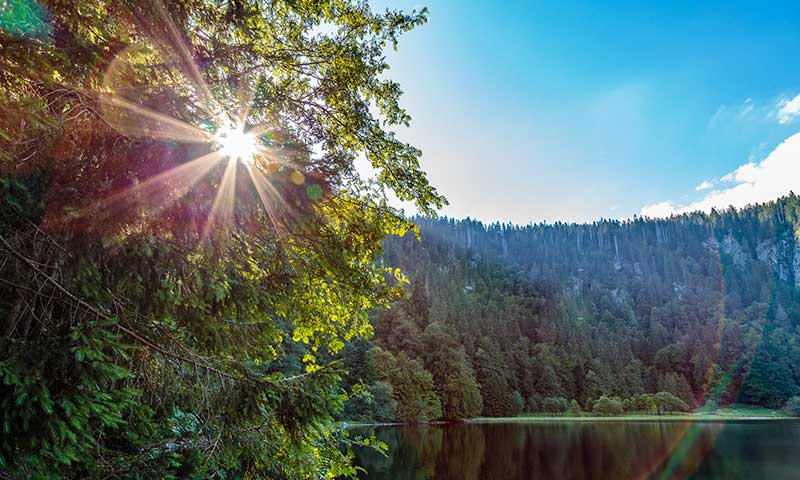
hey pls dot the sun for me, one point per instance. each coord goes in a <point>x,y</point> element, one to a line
<point>237,144</point>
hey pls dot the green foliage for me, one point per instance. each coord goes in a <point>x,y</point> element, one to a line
<point>452,374</point>
<point>792,406</point>
<point>519,403</point>
<point>498,398</point>
<point>412,386</point>
<point>694,306</point>
<point>605,406</point>
<point>677,385</point>
<point>629,404</point>
<point>574,409</point>
<point>709,406</point>
<point>669,403</point>
<point>554,405</point>
<point>647,404</point>
<point>374,403</point>
<point>58,399</point>
<point>156,319</point>
<point>769,380</point>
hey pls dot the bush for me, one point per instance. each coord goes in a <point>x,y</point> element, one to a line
<point>555,405</point>
<point>646,403</point>
<point>709,406</point>
<point>605,406</point>
<point>629,404</point>
<point>373,403</point>
<point>668,403</point>
<point>574,409</point>
<point>792,406</point>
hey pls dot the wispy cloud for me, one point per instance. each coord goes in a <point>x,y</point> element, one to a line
<point>705,185</point>
<point>784,110</point>
<point>744,112</point>
<point>751,183</point>
<point>788,109</point>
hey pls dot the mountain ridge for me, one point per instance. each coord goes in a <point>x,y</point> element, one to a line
<point>702,306</point>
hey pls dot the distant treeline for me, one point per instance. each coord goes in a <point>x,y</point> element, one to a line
<point>503,319</point>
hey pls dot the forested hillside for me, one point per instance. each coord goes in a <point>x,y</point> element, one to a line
<point>502,319</point>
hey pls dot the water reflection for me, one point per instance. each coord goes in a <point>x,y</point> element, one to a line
<point>614,450</point>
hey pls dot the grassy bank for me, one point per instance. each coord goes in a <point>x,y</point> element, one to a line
<point>734,412</point>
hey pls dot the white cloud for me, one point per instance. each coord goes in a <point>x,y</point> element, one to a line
<point>705,185</point>
<point>751,183</point>
<point>788,110</point>
<point>658,210</point>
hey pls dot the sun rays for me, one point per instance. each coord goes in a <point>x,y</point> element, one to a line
<point>230,146</point>
<point>224,137</point>
<point>221,150</point>
<point>238,144</point>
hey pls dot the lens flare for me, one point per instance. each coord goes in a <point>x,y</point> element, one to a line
<point>233,143</point>
<point>237,144</point>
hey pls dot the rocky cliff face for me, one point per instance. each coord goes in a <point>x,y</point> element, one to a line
<point>796,262</point>
<point>781,256</point>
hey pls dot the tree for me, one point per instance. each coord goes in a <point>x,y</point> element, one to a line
<point>769,380</point>
<point>792,406</point>
<point>647,403</point>
<point>554,405</point>
<point>177,282</point>
<point>534,403</point>
<point>677,385</point>
<point>519,403</point>
<point>497,394</point>
<point>593,385</point>
<point>452,374</point>
<point>412,386</point>
<point>574,409</point>
<point>632,378</point>
<point>669,403</point>
<point>605,406</point>
<point>375,403</point>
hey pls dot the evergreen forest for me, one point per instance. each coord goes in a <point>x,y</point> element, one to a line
<point>701,310</point>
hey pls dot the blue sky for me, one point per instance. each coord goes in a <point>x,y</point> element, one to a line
<point>576,110</point>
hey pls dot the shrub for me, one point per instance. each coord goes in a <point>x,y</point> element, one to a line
<point>629,404</point>
<point>555,405</point>
<point>574,409</point>
<point>605,406</point>
<point>647,403</point>
<point>668,402</point>
<point>709,406</point>
<point>792,406</point>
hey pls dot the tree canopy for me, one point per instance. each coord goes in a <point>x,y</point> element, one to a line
<point>169,308</point>
<point>660,315</point>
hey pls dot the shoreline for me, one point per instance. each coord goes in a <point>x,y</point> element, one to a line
<point>693,418</point>
<point>634,418</point>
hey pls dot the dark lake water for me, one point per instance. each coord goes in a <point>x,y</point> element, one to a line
<point>602,450</point>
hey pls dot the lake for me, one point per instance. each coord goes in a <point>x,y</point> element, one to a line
<point>768,449</point>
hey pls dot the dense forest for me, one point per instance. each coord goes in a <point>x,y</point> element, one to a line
<point>698,309</point>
